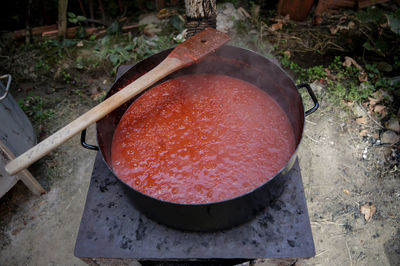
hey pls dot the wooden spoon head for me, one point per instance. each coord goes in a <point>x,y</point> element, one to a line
<point>199,45</point>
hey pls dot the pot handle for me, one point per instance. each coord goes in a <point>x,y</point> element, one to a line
<point>313,97</point>
<point>7,88</point>
<point>85,145</point>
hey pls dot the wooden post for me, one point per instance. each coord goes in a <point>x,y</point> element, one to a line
<point>200,14</point>
<point>62,18</point>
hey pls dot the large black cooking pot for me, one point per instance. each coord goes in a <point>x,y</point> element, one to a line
<point>238,63</point>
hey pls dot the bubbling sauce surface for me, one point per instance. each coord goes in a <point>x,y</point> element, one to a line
<point>201,139</point>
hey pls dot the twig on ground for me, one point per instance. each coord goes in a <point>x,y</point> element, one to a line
<point>312,123</point>
<point>319,254</point>
<point>316,141</point>
<point>348,251</point>
<point>376,122</point>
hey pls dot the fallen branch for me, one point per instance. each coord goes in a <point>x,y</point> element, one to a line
<point>19,34</point>
<point>98,32</point>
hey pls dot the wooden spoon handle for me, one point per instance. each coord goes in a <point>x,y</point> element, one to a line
<point>166,67</point>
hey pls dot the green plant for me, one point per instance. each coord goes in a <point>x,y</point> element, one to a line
<point>360,92</point>
<point>122,49</point>
<point>40,64</point>
<point>77,20</point>
<point>34,107</point>
<point>381,29</point>
<point>66,77</point>
<point>79,62</point>
<point>304,74</point>
<point>77,92</point>
<point>346,84</point>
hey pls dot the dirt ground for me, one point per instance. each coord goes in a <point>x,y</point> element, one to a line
<point>337,181</point>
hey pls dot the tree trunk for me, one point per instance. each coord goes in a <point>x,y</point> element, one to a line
<point>62,18</point>
<point>200,14</point>
<point>28,28</point>
<point>101,8</point>
<point>91,11</point>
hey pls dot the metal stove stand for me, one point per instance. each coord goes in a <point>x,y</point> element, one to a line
<point>113,230</point>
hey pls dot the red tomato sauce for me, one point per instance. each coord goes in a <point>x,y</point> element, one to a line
<point>200,139</point>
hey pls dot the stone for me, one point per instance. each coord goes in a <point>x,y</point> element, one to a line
<point>358,110</point>
<point>393,124</point>
<point>226,15</point>
<point>389,137</point>
<point>149,19</point>
<point>317,87</point>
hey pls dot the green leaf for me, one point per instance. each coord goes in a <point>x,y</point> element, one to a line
<point>80,33</point>
<point>394,24</point>
<point>81,18</point>
<point>114,28</point>
<point>68,43</point>
<point>177,22</point>
<point>71,15</point>
<point>367,45</point>
<point>114,58</point>
<point>372,15</point>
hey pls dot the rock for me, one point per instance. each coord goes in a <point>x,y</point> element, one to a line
<point>317,87</point>
<point>226,16</point>
<point>151,30</point>
<point>390,137</point>
<point>386,151</point>
<point>393,124</point>
<point>149,19</point>
<point>358,110</point>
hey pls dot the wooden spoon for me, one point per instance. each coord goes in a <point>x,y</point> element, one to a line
<point>185,54</point>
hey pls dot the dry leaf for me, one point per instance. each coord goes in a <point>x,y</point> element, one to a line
<point>318,20</point>
<point>350,103</point>
<point>364,133</point>
<point>287,53</point>
<point>277,26</point>
<point>362,120</point>
<point>368,210</point>
<point>377,94</point>
<point>380,109</point>
<point>165,13</point>
<point>244,12</point>
<point>97,96</point>
<point>363,76</point>
<point>348,62</point>
<point>346,191</point>
<point>384,25</point>
<point>329,75</point>
<point>333,29</point>
<point>96,93</point>
<point>374,101</point>
<point>351,25</point>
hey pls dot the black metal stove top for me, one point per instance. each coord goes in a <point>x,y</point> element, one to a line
<point>112,228</point>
